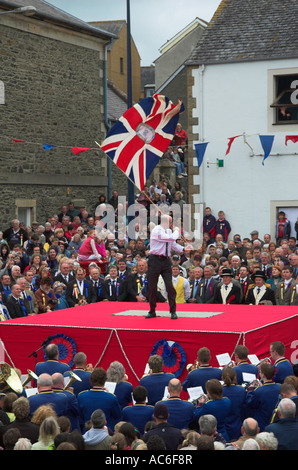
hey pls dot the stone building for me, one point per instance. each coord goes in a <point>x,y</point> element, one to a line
<point>52,94</point>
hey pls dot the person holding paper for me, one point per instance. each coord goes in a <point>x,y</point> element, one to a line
<point>156,381</point>
<point>181,412</point>
<point>199,376</point>
<point>242,364</point>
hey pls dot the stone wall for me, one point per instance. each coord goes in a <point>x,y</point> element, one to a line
<point>54,94</point>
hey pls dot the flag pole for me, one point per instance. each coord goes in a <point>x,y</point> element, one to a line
<point>131,198</point>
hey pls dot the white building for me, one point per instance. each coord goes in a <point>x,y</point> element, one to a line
<point>246,62</point>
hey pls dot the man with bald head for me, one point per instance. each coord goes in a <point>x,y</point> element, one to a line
<point>162,242</point>
<point>73,407</point>
<point>249,430</point>
<point>181,412</point>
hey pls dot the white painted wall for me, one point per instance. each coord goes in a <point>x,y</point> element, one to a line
<point>234,99</point>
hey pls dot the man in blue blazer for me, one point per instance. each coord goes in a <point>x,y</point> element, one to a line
<point>286,429</point>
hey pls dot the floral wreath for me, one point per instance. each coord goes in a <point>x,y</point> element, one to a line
<point>173,356</point>
<point>66,346</point>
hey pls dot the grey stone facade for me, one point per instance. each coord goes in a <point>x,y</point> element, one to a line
<point>54,94</point>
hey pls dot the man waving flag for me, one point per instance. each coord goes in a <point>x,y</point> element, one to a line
<point>140,137</point>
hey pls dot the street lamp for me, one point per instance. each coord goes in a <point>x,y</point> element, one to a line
<point>26,11</point>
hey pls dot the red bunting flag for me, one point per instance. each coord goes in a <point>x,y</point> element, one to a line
<point>18,140</point>
<point>293,138</point>
<point>231,140</point>
<point>77,150</point>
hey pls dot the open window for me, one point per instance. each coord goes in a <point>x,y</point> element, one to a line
<point>285,103</point>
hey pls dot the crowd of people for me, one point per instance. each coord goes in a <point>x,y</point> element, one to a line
<point>59,412</point>
<point>67,262</point>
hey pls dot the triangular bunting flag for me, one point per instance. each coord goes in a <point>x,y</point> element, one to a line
<point>231,140</point>
<point>267,142</point>
<point>48,147</point>
<point>200,151</point>
<point>292,138</point>
<point>77,150</point>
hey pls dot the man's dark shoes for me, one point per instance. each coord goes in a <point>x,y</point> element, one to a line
<point>174,316</point>
<point>151,315</point>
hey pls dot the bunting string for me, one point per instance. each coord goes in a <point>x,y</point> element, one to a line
<point>265,140</point>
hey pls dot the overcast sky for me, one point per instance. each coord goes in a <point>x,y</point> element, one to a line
<point>153,22</point>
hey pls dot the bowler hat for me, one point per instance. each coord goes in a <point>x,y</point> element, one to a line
<point>258,273</point>
<point>226,272</point>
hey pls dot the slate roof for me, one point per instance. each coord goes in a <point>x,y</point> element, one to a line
<point>50,13</point>
<point>249,30</point>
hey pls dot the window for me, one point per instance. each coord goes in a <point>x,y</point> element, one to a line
<point>2,93</point>
<point>285,103</point>
<point>26,210</point>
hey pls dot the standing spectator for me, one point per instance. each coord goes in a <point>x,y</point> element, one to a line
<point>180,136</point>
<point>171,435</point>
<point>282,228</point>
<point>222,226</point>
<point>15,235</point>
<point>209,222</point>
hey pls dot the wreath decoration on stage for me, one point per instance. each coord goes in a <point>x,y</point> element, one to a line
<point>66,346</point>
<point>173,356</point>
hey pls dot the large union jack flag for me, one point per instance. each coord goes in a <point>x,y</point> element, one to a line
<point>140,137</point>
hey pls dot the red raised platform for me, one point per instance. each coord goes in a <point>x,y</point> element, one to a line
<point>108,331</point>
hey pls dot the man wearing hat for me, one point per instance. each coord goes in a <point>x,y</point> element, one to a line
<point>171,435</point>
<point>261,293</point>
<point>228,291</point>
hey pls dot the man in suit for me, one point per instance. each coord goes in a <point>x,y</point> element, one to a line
<point>80,288</point>
<point>195,283</point>
<point>205,292</point>
<point>114,288</point>
<point>13,304</point>
<point>245,281</point>
<point>293,260</point>
<point>285,291</point>
<point>27,297</point>
<point>261,293</point>
<point>266,266</point>
<point>96,279</point>
<point>64,274</point>
<point>228,291</point>
<point>137,290</point>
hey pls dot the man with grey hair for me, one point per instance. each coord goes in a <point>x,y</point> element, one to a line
<point>286,429</point>
<point>97,438</point>
<point>208,427</point>
<point>46,396</point>
<point>267,441</point>
<point>251,444</point>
